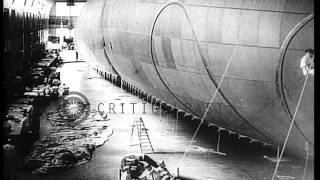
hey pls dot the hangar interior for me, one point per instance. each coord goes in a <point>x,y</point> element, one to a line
<point>158,89</point>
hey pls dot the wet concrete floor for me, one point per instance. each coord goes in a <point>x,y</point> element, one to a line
<point>168,135</point>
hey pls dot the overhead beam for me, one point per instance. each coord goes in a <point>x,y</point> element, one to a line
<point>73,0</point>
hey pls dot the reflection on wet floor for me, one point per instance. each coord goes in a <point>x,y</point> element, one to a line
<point>169,137</point>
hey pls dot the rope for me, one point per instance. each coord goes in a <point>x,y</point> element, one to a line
<point>207,109</point>
<point>154,63</point>
<point>279,82</point>
<point>290,128</point>
<point>205,63</point>
<point>306,162</point>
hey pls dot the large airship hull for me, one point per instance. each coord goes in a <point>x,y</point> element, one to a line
<point>179,51</point>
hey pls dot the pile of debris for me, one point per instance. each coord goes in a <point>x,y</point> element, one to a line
<point>70,143</point>
<point>142,167</point>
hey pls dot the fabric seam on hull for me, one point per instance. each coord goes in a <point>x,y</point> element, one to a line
<point>104,42</point>
<point>157,71</point>
<point>240,8</point>
<point>279,74</point>
<point>203,61</point>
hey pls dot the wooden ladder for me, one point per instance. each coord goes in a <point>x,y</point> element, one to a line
<point>144,140</point>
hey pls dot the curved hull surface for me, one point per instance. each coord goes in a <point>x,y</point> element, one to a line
<point>192,43</point>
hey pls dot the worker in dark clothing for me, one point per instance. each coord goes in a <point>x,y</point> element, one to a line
<point>77,55</point>
<point>36,124</point>
<point>136,169</point>
<point>10,163</point>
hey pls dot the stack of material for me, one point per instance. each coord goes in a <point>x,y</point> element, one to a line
<point>30,101</point>
<point>43,80</point>
<point>71,142</point>
<point>19,118</point>
<point>142,167</point>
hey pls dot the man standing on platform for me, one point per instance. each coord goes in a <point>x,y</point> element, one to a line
<point>306,62</point>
